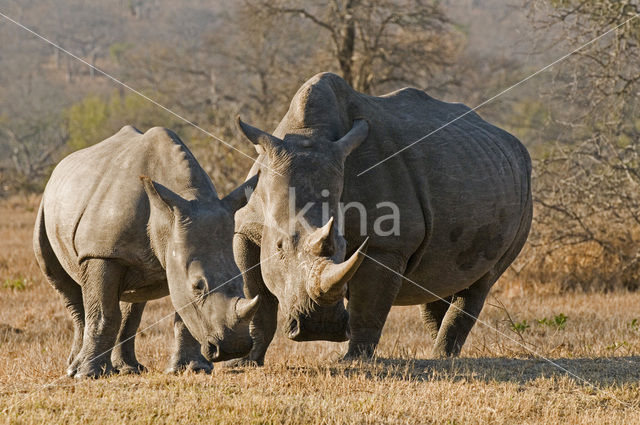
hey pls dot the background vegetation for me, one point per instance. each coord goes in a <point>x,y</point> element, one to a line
<point>209,60</point>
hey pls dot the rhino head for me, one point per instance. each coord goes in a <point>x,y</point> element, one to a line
<point>193,239</point>
<point>303,252</point>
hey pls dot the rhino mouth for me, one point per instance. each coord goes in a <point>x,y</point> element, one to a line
<point>302,329</point>
<point>213,352</point>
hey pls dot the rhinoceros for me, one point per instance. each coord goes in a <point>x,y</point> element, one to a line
<point>462,197</point>
<point>108,243</point>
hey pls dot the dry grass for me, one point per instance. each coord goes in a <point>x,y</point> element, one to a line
<point>496,381</point>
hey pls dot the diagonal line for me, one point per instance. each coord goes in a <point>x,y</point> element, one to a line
<point>55,381</point>
<point>500,94</point>
<point>114,79</point>
<point>532,351</point>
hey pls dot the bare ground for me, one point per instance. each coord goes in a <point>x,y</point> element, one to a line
<point>502,376</point>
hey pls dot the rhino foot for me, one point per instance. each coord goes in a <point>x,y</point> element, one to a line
<point>72,369</point>
<point>440,353</point>
<point>352,357</point>
<point>360,352</point>
<point>130,369</point>
<point>94,371</point>
<point>196,365</point>
<point>242,362</point>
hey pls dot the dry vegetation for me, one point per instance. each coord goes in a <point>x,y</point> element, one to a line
<point>208,61</point>
<point>498,380</point>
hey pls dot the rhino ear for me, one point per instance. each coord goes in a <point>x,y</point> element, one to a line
<point>260,138</point>
<point>354,137</point>
<point>163,198</point>
<point>240,195</point>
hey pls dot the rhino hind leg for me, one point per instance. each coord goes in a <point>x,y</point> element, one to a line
<point>372,291</point>
<point>76,309</point>
<point>187,354</point>
<point>432,315</point>
<point>461,316</point>
<point>69,290</point>
<point>467,304</point>
<point>100,291</point>
<point>123,356</point>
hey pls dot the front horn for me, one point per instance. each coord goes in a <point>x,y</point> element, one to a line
<point>245,309</point>
<point>328,284</point>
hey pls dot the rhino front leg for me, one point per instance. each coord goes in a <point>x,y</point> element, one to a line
<point>123,356</point>
<point>100,291</point>
<point>187,354</point>
<point>372,291</point>
<point>262,329</point>
<point>461,316</point>
<point>264,323</point>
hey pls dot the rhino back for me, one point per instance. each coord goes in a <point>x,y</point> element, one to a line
<point>95,205</point>
<point>468,178</point>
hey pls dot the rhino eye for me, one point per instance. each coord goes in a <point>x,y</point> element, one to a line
<point>279,244</point>
<point>198,286</point>
<point>295,238</point>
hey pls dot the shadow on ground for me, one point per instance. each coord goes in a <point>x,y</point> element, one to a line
<point>596,371</point>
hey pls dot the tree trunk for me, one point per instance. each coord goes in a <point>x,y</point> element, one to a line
<point>346,43</point>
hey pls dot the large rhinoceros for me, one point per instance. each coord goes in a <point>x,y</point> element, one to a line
<point>462,198</point>
<point>108,243</point>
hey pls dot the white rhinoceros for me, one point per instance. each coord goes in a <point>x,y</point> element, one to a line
<point>462,197</point>
<point>109,242</point>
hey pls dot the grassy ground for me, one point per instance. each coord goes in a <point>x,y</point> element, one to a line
<point>593,339</point>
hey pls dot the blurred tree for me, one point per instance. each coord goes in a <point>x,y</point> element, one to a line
<point>588,188</point>
<point>96,118</point>
<point>377,44</point>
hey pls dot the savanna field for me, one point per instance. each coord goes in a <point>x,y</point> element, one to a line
<point>558,339</point>
<point>501,377</point>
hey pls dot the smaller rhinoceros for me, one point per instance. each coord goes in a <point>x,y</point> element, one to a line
<point>108,244</point>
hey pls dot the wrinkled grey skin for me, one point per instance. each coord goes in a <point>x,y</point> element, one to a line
<point>465,212</point>
<point>109,239</point>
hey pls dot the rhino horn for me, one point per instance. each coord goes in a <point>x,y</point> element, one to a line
<point>330,285</point>
<point>317,239</point>
<point>245,309</point>
<point>354,137</point>
<point>257,136</point>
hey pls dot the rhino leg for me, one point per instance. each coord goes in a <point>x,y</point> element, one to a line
<point>372,291</point>
<point>100,291</point>
<point>71,294</point>
<point>73,302</point>
<point>187,354</point>
<point>432,315</point>
<point>69,290</point>
<point>461,316</point>
<point>123,356</point>
<point>264,323</point>
<point>467,304</point>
